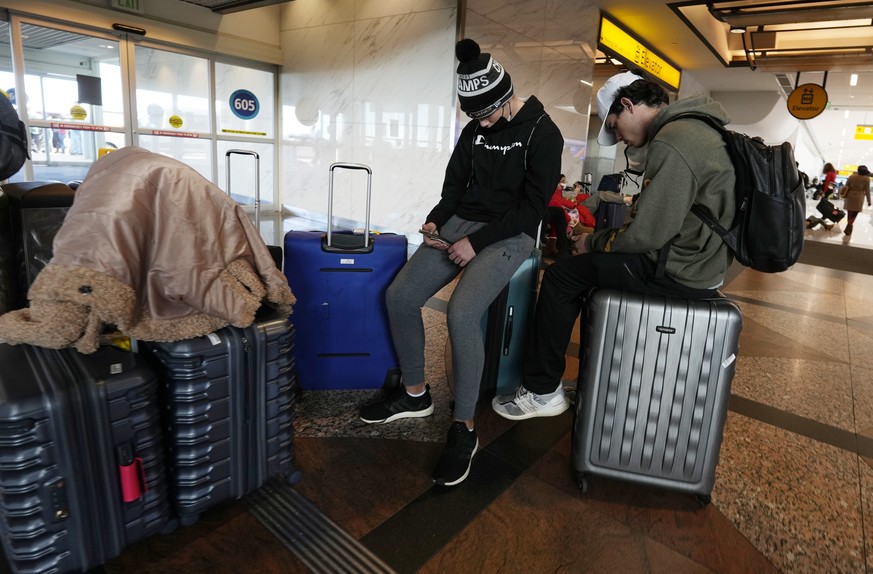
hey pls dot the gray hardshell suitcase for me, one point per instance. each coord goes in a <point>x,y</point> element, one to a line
<point>82,471</point>
<point>229,405</point>
<point>654,383</point>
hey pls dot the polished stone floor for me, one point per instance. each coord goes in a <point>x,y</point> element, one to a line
<point>794,487</point>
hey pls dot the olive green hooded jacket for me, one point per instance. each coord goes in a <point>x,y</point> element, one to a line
<point>687,163</point>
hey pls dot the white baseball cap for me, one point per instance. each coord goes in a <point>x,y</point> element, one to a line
<point>605,97</point>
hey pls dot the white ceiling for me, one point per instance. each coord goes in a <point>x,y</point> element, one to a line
<point>658,25</point>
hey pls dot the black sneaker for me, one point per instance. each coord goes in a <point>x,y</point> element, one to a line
<point>454,464</point>
<point>398,405</point>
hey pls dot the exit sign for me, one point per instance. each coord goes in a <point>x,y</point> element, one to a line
<point>129,5</point>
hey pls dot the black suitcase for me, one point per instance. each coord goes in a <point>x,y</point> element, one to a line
<point>82,471</point>
<point>34,214</point>
<point>610,214</point>
<point>228,405</point>
<point>829,211</point>
<point>653,390</point>
<point>8,267</point>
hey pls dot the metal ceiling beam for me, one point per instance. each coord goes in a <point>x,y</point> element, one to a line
<point>813,63</point>
<point>230,6</point>
<point>790,13</point>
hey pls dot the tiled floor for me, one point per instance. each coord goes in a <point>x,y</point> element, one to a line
<point>794,487</point>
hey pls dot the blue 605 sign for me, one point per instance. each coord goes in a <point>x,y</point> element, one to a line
<point>244,104</point>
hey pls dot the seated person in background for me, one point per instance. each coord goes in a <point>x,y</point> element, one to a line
<point>558,220</point>
<point>586,222</point>
<point>664,250</point>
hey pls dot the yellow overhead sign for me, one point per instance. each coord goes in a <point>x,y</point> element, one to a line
<point>630,49</point>
<point>863,132</point>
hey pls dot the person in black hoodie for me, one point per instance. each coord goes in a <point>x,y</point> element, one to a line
<point>497,185</point>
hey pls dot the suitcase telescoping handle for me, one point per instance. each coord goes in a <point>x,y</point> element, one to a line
<point>357,166</point>
<point>254,154</point>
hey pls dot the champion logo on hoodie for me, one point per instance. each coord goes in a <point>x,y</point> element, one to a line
<point>503,148</point>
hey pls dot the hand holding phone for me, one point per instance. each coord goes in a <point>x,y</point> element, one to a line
<point>435,236</point>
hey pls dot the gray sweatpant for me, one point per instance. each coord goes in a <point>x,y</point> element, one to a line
<point>428,271</point>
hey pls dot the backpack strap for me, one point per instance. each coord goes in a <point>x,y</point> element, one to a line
<point>530,135</point>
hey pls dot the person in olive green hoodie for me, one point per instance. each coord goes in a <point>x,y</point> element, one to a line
<point>687,163</point>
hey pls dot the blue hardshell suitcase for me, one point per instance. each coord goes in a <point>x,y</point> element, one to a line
<point>506,327</point>
<point>339,280</point>
<point>228,403</point>
<point>653,390</point>
<point>82,472</point>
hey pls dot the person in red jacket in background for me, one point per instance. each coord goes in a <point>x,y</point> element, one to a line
<point>558,220</point>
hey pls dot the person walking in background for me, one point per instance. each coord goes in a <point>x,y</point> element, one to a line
<point>498,182</point>
<point>664,250</point>
<point>857,188</point>
<point>829,183</point>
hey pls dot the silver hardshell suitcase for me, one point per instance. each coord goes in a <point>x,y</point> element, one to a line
<point>654,382</point>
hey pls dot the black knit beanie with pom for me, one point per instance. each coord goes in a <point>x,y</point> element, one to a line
<point>483,84</point>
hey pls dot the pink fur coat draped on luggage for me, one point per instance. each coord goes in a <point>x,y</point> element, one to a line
<point>152,249</point>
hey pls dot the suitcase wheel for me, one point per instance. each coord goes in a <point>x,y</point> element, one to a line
<point>170,526</point>
<point>582,482</point>
<point>189,519</point>
<point>704,500</point>
<point>392,379</point>
<point>293,476</point>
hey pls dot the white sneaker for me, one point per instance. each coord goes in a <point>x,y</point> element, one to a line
<point>525,405</point>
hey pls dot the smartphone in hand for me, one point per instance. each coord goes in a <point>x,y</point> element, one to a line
<point>435,236</point>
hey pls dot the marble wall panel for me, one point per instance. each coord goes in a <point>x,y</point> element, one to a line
<point>573,24</point>
<point>373,85</point>
<point>373,82</point>
<point>378,8</point>
<point>548,48</point>
<point>407,179</point>
<point>302,14</point>
<point>525,17</point>
<point>402,62</point>
<point>305,165</point>
<point>317,77</point>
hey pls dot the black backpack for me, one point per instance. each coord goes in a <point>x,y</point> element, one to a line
<point>13,140</point>
<point>768,228</point>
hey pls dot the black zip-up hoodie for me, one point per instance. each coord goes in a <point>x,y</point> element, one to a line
<point>488,178</point>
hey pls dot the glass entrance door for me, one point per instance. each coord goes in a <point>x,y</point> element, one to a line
<point>84,93</point>
<point>72,98</point>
